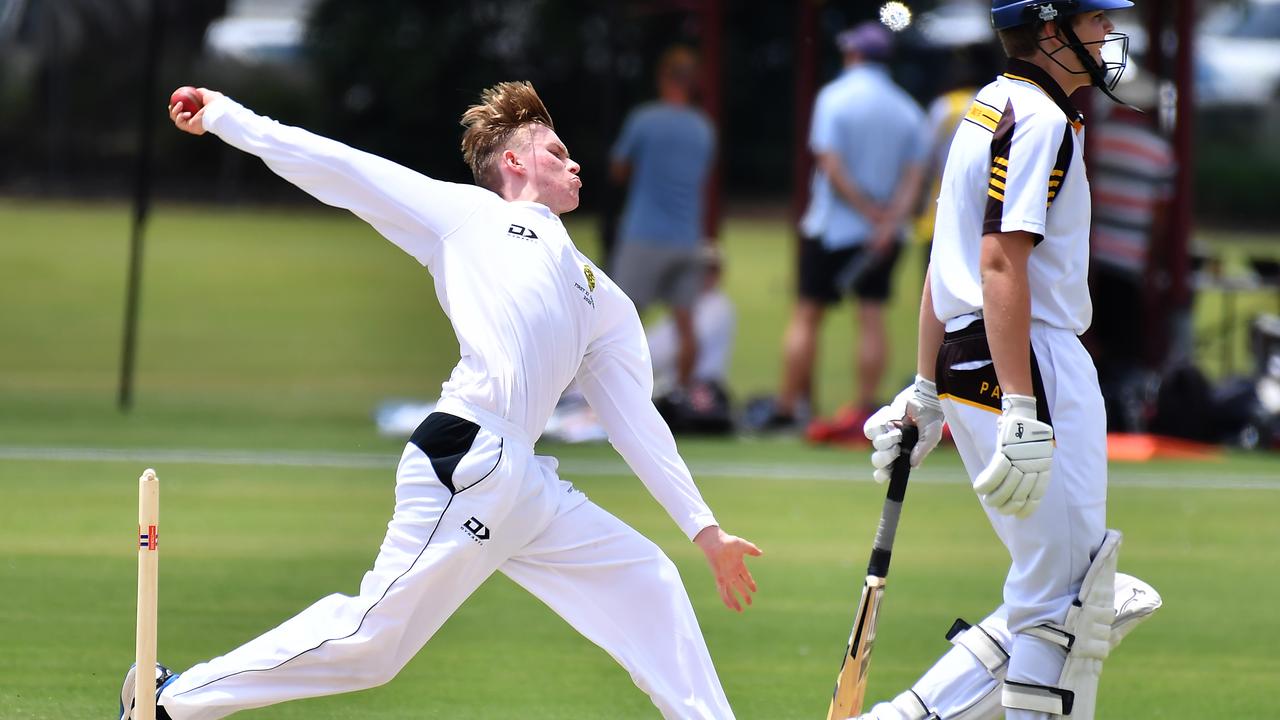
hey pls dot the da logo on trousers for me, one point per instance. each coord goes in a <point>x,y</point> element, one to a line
<point>476,529</point>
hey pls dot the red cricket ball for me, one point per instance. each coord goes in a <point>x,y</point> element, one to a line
<point>188,97</point>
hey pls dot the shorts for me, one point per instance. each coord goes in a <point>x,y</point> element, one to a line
<point>651,273</point>
<point>826,276</point>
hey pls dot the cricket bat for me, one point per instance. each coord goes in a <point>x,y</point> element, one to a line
<point>851,682</point>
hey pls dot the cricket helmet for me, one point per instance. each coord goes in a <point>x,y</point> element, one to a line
<point>1006,14</point>
<point>1012,13</point>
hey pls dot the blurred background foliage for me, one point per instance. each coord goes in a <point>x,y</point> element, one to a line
<point>392,76</point>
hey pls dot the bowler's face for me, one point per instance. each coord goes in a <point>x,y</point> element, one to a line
<point>551,171</point>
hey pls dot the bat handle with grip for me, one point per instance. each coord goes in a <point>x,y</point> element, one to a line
<point>882,550</point>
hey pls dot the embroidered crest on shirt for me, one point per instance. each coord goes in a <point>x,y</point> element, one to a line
<point>590,276</point>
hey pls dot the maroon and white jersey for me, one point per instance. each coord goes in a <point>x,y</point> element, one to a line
<point>1017,163</point>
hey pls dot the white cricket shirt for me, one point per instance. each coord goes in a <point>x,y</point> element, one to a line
<point>1017,163</point>
<point>531,313</point>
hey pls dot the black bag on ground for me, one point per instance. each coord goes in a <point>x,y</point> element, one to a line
<point>703,410</point>
<point>1185,406</point>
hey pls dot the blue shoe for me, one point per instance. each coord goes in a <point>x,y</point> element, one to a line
<point>164,676</point>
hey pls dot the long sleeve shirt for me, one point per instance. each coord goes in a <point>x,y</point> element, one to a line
<point>531,313</point>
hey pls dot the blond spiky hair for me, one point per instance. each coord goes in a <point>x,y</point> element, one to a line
<point>503,109</point>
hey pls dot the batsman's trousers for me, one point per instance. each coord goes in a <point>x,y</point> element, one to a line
<point>1049,551</point>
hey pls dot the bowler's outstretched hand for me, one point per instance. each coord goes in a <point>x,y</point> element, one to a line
<point>725,554</point>
<point>193,122</point>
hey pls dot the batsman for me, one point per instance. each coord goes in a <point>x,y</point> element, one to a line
<point>999,360</point>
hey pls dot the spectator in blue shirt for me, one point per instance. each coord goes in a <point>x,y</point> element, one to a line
<point>664,155</point>
<point>869,144</point>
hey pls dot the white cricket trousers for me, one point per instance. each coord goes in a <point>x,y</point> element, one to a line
<point>475,501</point>
<point>1049,551</point>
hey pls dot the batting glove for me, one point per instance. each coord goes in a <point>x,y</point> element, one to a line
<point>917,403</point>
<point>1017,477</point>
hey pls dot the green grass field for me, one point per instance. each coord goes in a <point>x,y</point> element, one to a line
<point>266,340</point>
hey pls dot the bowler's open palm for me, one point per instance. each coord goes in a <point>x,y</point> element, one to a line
<point>725,553</point>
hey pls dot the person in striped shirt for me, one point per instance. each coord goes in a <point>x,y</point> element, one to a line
<point>1133,172</point>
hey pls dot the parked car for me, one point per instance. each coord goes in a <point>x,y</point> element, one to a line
<point>258,48</point>
<point>1238,55</point>
<point>257,33</point>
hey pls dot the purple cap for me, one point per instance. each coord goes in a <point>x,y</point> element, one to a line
<point>870,38</point>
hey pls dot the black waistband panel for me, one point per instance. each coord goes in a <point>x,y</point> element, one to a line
<point>444,439</point>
